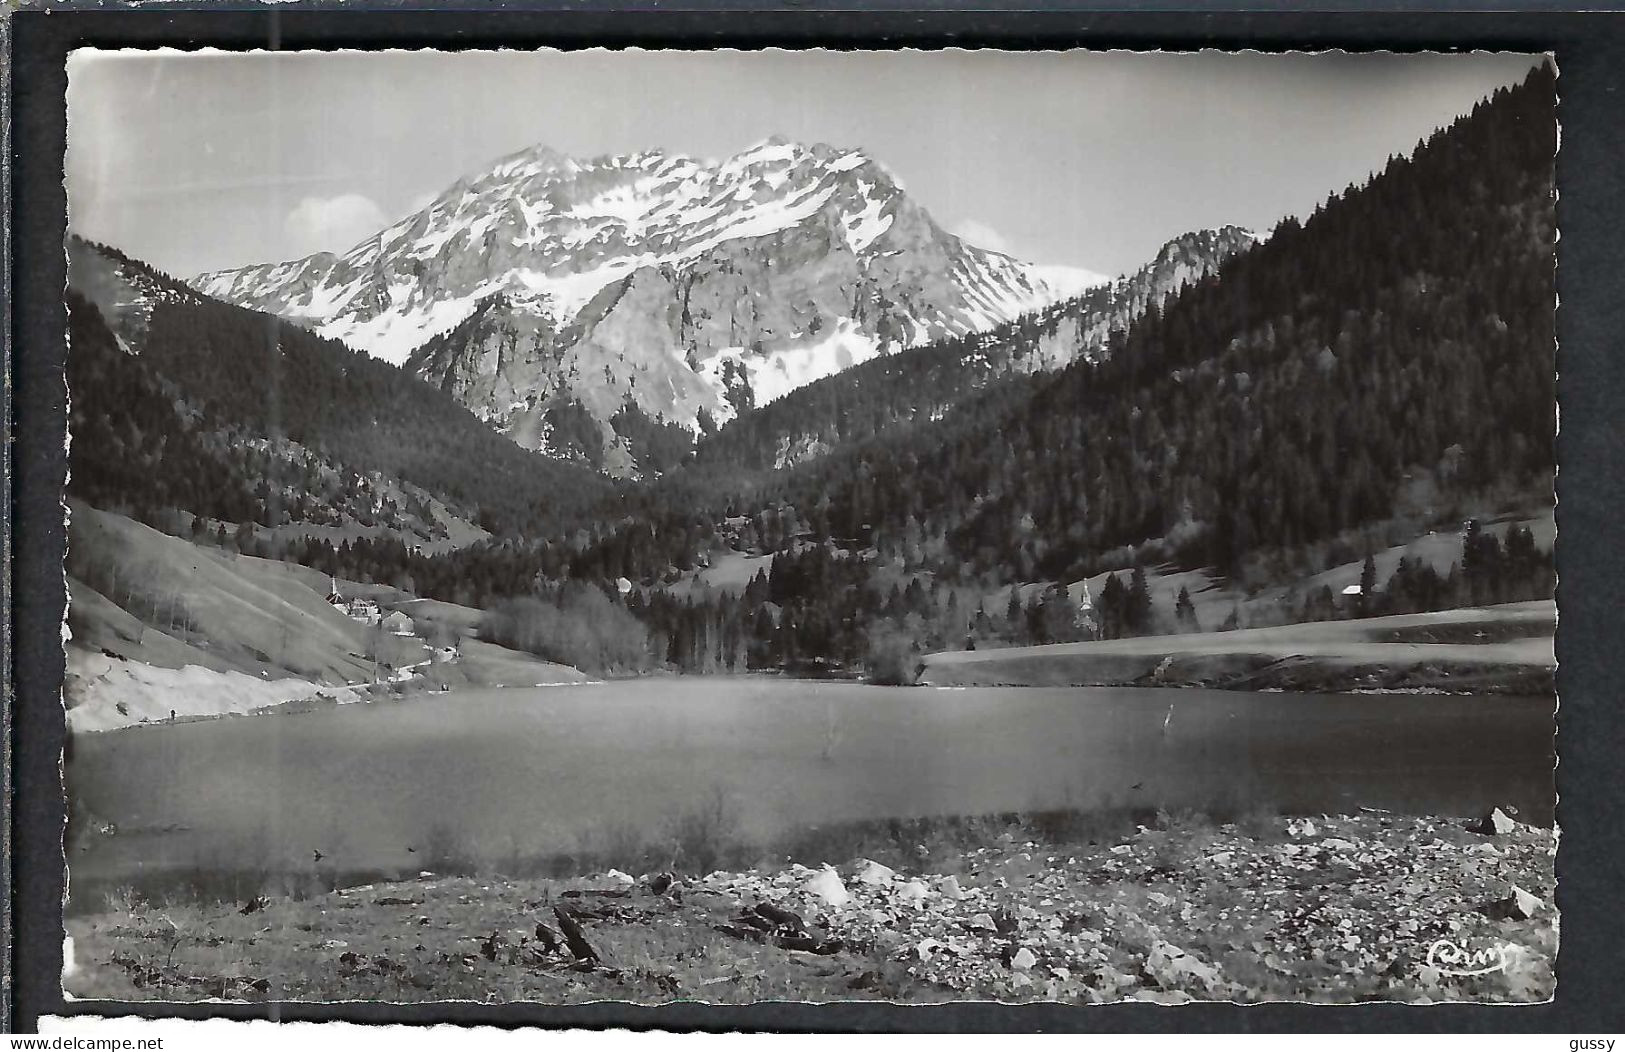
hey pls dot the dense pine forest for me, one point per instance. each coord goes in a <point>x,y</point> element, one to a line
<point>1407,324</point>
<point>235,372</point>
<point>865,401</point>
<point>924,383</point>
<point>1399,338</point>
<point>134,444</point>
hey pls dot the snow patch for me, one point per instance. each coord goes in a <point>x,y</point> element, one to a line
<point>778,372</point>
<point>760,221</point>
<point>392,337</point>
<point>765,152</point>
<point>863,229</point>
<point>566,294</point>
<point>429,245</point>
<point>1065,282</point>
<point>533,216</point>
<point>848,161</point>
<point>480,225</point>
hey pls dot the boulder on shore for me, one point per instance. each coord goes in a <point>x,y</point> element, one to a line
<point>873,873</point>
<point>1519,905</point>
<point>1496,823</point>
<point>826,885</point>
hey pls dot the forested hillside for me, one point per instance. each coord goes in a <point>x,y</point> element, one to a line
<point>143,447</point>
<point>924,383</point>
<point>207,368</point>
<point>916,384</point>
<point>1406,326</point>
<point>133,445</point>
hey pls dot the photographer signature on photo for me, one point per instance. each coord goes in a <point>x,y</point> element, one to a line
<point>1450,958</point>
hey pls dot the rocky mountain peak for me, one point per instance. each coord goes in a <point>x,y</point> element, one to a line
<point>684,288</point>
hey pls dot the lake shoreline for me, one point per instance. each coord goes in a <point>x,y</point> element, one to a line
<point>1499,650</point>
<point>1493,650</point>
<point>1263,672</point>
<point>1270,675</point>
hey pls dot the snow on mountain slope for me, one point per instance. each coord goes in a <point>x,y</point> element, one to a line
<point>122,289</point>
<point>681,288</point>
<point>1084,325</point>
<point>776,373</point>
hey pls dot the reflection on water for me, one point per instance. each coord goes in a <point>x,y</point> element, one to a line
<point>529,772</point>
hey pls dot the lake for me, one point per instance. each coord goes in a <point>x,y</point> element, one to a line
<point>515,773</point>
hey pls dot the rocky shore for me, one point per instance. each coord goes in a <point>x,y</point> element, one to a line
<point>1343,908</point>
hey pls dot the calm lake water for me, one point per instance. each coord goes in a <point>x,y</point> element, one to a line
<point>516,773</point>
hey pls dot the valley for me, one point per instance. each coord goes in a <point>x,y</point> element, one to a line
<point>1070,471</point>
<point>707,519</point>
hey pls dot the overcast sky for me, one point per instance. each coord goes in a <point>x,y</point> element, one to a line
<point>202,161</point>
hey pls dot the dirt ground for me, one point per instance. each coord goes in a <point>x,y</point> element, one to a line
<point>1345,908</point>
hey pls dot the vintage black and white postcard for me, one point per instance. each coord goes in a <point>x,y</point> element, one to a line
<point>811,526</point>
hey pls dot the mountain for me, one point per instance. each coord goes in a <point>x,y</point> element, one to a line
<point>1370,373</point>
<point>923,383</point>
<point>551,295</point>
